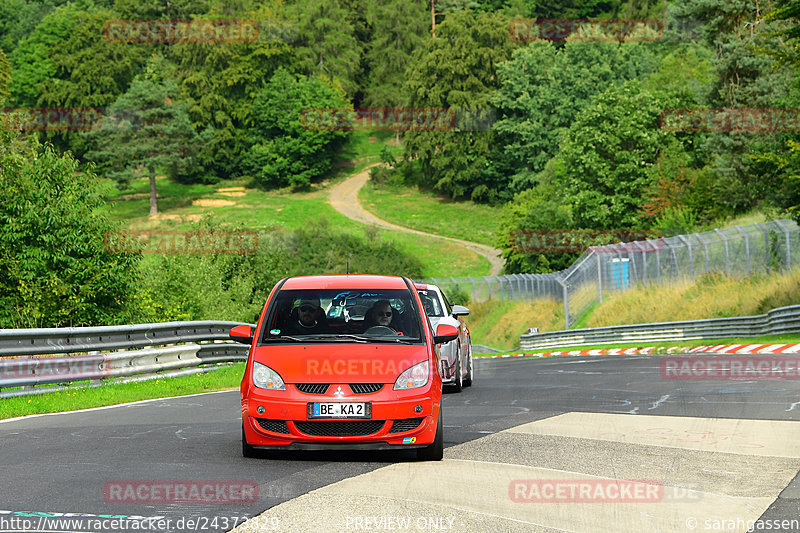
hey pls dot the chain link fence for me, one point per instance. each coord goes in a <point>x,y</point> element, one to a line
<point>601,270</point>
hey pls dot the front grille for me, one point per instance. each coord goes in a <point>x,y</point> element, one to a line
<point>275,426</point>
<point>406,424</point>
<point>312,388</point>
<point>335,428</point>
<point>365,388</point>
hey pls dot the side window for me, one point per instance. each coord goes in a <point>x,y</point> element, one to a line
<point>447,305</point>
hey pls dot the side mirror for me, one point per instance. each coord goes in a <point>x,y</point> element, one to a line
<point>445,333</point>
<point>243,334</point>
<point>460,310</point>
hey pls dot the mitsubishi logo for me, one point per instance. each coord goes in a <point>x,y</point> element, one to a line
<point>339,392</point>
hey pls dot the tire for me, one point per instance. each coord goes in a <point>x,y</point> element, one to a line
<point>435,451</point>
<point>458,385</point>
<point>247,450</point>
<point>470,371</point>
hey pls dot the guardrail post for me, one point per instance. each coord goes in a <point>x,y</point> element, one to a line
<point>788,244</point>
<point>727,254</point>
<point>746,247</point>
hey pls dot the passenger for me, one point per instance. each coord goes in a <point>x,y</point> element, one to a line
<point>307,317</point>
<point>381,314</point>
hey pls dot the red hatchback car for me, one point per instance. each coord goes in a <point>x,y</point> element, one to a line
<point>343,362</point>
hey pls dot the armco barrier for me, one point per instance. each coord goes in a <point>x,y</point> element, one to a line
<point>780,320</point>
<point>24,362</point>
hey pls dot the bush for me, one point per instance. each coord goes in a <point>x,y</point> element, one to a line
<point>55,269</point>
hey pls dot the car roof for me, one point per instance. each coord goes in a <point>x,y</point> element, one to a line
<point>357,281</point>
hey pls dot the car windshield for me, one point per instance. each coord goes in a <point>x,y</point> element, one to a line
<point>343,315</point>
<point>432,303</point>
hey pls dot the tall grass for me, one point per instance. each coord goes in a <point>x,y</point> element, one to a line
<point>710,296</point>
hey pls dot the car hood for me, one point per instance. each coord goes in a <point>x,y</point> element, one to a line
<point>340,363</point>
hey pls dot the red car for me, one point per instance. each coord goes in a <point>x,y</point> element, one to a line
<point>343,362</point>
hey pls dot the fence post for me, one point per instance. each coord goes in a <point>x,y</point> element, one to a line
<point>727,254</point>
<point>644,259</point>
<point>691,261</point>
<point>599,276</point>
<point>746,247</point>
<point>766,245</point>
<point>705,245</point>
<point>788,245</point>
<point>474,296</point>
<point>565,296</point>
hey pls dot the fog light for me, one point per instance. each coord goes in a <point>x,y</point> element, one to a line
<point>260,409</point>
<point>417,408</point>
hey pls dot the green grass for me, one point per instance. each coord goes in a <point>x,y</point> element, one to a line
<point>279,210</point>
<point>112,394</point>
<point>766,339</point>
<point>423,211</point>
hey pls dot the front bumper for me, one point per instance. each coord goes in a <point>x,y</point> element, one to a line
<point>284,421</point>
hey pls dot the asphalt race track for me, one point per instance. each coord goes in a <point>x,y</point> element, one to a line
<point>559,444</point>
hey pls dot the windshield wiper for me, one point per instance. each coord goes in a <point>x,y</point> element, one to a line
<point>362,338</point>
<point>283,338</point>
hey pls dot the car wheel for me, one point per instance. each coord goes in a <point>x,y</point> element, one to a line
<point>458,384</point>
<point>435,451</point>
<point>247,449</point>
<point>470,370</point>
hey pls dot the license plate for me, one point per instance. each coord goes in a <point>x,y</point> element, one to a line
<point>339,410</point>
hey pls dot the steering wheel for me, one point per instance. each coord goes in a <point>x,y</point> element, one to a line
<point>380,331</point>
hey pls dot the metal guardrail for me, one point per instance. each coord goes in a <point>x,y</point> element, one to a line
<point>776,321</point>
<point>164,348</point>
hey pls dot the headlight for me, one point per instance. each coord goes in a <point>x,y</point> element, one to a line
<point>266,378</point>
<point>414,377</point>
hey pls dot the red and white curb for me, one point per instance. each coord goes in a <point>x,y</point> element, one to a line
<point>720,349</point>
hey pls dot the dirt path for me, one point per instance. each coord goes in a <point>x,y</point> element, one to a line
<point>344,198</point>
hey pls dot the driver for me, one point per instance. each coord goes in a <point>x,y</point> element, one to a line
<point>307,317</point>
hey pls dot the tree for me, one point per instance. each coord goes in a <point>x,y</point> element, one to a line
<point>286,146</point>
<point>326,42</point>
<point>539,208</point>
<point>55,269</point>
<point>219,81</point>
<point>145,128</point>
<point>5,76</point>
<point>605,156</point>
<point>543,88</point>
<point>457,70</point>
<point>399,27</point>
<point>744,78</point>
